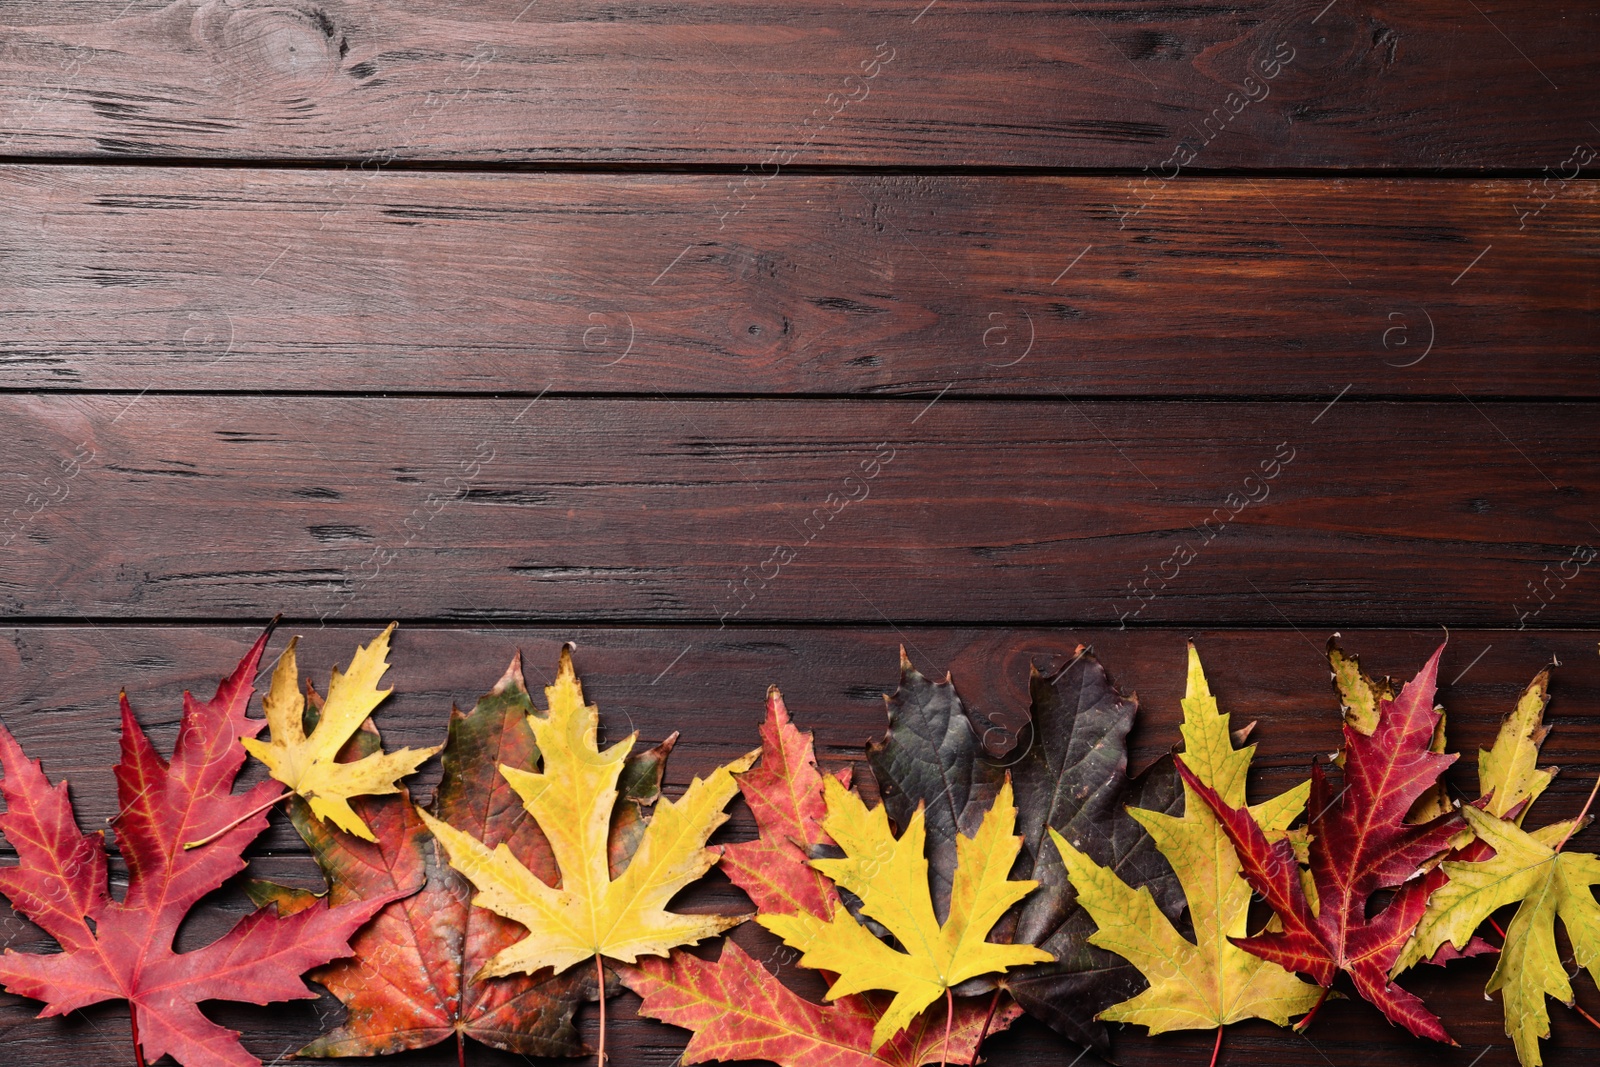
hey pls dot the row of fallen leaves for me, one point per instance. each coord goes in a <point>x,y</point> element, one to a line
<point>1110,899</point>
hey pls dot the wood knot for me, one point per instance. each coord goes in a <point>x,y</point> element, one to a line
<point>273,47</point>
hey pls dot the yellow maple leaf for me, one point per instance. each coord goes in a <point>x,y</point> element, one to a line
<point>890,876</point>
<point>1208,982</point>
<point>1531,871</point>
<point>307,764</point>
<point>1509,773</point>
<point>571,798</point>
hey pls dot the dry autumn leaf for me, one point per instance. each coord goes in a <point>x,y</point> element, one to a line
<point>1360,698</point>
<point>307,763</point>
<point>594,913</point>
<point>1509,775</point>
<point>1510,865</point>
<point>932,758</point>
<point>123,950</point>
<point>1206,983</point>
<point>889,876</point>
<point>1070,775</point>
<point>1509,779</point>
<point>1531,871</point>
<point>1361,843</point>
<point>428,948</point>
<point>738,1009</point>
<point>785,795</point>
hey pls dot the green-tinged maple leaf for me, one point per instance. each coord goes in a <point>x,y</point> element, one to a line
<point>1360,695</point>
<point>573,798</point>
<point>1509,780</point>
<point>1509,775</point>
<point>1507,864</point>
<point>1208,982</point>
<point>890,877</point>
<point>307,762</point>
<point>1531,871</point>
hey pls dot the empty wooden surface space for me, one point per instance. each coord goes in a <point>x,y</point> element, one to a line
<point>746,344</point>
<point>1126,83</point>
<point>165,278</point>
<point>691,510</point>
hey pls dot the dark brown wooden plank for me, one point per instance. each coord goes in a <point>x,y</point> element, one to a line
<point>709,683</point>
<point>239,508</point>
<point>1425,84</point>
<point>135,278</point>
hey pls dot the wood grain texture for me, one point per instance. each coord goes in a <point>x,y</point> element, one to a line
<point>58,685</point>
<point>136,278</point>
<point>710,684</point>
<point>470,509</point>
<point>1430,83</point>
<point>487,205</point>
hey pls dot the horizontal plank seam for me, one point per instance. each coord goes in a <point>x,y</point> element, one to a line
<point>1045,395</point>
<point>792,171</point>
<point>531,622</point>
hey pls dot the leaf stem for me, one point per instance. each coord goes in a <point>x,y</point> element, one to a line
<point>1216,1050</point>
<point>600,974</point>
<point>1300,1027</point>
<point>461,1049</point>
<point>252,813</point>
<point>1579,820</point>
<point>1592,1020</point>
<point>138,1050</point>
<point>949,1018</point>
<point>994,1002</point>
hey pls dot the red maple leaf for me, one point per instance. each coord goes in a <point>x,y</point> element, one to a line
<point>1361,844</point>
<point>739,1010</point>
<point>123,950</point>
<point>785,795</point>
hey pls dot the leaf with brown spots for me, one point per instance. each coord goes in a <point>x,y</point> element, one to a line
<point>414,980</point>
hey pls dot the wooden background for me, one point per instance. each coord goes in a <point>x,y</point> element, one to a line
<point>530,321</point>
